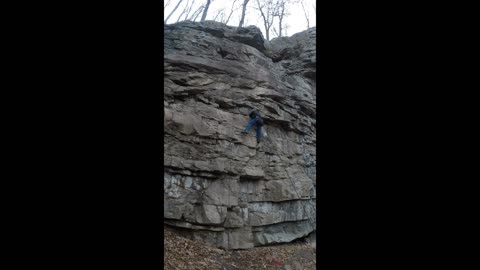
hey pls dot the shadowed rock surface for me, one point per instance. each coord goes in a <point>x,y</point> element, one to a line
<point>219,185</point>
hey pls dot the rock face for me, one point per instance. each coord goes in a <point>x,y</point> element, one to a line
<point>219,185</point>
<point>296,53</point>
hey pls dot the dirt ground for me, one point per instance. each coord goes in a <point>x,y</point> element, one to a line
<point>182,254</point>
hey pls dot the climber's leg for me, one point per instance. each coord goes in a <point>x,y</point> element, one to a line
<point>249,126</point>
<point>259,133</point>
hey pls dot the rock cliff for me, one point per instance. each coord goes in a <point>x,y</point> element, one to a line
<point>219,186</point>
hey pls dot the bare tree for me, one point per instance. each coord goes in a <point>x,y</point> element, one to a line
<point>196,13</point>
<point>268,9</point>
<point>186,10</point>
<point>183,11</point>
<point>306,14</point>
<point>280,13</point>
<point>220,13</point>
<point>244,7</point>
<point>189,10</point>
<point>179,2</point>
<point>231,12</point>
<point>166,4</point>
<point>205,11</point>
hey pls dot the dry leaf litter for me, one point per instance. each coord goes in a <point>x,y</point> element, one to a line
<point>184,254</point>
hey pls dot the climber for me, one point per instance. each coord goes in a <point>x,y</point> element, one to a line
<point>257,120</point>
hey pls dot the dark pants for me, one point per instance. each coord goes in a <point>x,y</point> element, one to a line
<point>257,122</point>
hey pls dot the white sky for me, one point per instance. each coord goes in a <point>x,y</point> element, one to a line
<point>295,21</point>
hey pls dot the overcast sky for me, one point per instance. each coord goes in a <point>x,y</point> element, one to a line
<point>295,21</point>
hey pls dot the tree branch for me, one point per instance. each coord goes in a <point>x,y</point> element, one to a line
<point>231,12</point>
<point>189,10</point>
<point>196,13</point>
<point>179,2</point>
<point>306,14</point>
<point>166,4</point>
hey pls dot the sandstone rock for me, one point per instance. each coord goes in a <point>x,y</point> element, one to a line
<point>253,173</point>
<point>218,184</point>
<point>266,213</point>
<point>236,218</point>
<point>187,225</point>
<point>283,232</point>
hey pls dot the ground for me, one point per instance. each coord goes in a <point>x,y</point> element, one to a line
<point>181,253</point>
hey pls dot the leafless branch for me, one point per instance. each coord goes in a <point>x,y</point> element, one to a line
<point>196,13</point>
<point>183,11</point>
<point>275,32</point>
<point>280,11</point>
<point>220,12</point>
<point>306,14</point>
<point>189,10</point>
<point>268,10</point>
<point>179,2</point>
<point>231,12</point>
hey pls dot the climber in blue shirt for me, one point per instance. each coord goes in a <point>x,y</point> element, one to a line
<point>255,119</point>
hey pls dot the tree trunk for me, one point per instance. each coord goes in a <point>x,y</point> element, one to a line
<point>306,15</point>
<point>267,30</point>
<point>205,11</point>
<point>280,18</point>
<point>265,19</point>
<point>245,2</point>
<point>280,27</point>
